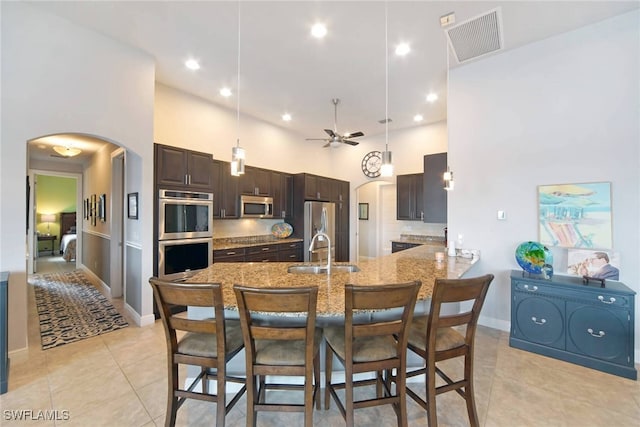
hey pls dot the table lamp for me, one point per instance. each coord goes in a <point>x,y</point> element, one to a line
<point>48,218</point>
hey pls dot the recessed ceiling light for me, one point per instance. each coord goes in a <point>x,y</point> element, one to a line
<point>286,117</point>
<point>318,30</point>
<point>432,97</point>
<point>402,49</point>
<point>226,92</point>
<point>418,118</point>
<point>192,64</point>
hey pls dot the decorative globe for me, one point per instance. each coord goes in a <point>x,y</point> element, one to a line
<point>534,257</point>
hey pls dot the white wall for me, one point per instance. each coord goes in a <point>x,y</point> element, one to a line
<point>58,78</point>
<point>563,110</point>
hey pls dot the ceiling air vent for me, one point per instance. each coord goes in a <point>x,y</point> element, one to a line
<point>477,36</point>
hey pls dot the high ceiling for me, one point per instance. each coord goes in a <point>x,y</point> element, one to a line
<point>284,69</point>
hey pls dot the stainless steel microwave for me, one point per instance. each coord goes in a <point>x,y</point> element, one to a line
<point>256,207</point>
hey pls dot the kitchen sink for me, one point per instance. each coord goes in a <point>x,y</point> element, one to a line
<point>322,269</point>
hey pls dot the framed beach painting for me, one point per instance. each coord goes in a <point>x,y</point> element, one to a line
<point>575,215</point>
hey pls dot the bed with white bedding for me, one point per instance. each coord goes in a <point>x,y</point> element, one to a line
<point>69,238</point>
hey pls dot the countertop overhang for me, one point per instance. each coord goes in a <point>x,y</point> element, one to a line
<point>417,263</point>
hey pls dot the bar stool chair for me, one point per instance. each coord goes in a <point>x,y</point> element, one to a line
<point>375,346</point>
<point>208,343</point>
<point>288,347</point>
<point>434,338</point>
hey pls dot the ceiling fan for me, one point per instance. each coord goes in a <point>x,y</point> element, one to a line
<point>335,139</point>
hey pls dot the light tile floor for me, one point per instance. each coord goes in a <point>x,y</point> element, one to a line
<point>119,379</point>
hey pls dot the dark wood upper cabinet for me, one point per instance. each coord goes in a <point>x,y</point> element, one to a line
<point>225,193</point>
<point>435,196</point>
<point>410,197</point>
<point>255,181</point>
<point>177,168</point>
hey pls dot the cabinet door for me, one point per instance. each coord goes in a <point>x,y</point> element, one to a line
<point>199,171</point>
<point>280,197</point>
<point>324,188</point>
<point>599,332</point>
<point>404,196</point>
<point>341,247</point>
<point>225,191</point>
<point>310,187</point>
<point>539,319</point>
<point>418,199</point>
<point>262,257</point>
<point>262,182</point>
<point>246,181</point>
<point>171,166</point>
<point>435,196</point>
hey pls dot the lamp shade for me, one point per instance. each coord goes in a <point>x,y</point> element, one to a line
<point>48,217</point>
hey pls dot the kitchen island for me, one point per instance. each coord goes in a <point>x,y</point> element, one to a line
<point>413,264</point>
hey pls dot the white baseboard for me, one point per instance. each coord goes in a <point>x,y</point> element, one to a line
<point>490,322</point>
<point>106,290</point>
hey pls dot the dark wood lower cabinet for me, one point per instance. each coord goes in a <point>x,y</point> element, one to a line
<point>276,252</point>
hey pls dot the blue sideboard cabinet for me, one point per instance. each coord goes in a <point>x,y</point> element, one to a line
<point>585,324</point>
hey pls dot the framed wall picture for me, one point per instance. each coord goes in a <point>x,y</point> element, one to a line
<point>575,215</point>
<point>363,211</point>
<point>102,208</point>
<point>132,205</point>
<point>94,209</point>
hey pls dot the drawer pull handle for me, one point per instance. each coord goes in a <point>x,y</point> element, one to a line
<point>265,249</point>
<point>611,300</point>
<point>533,288</point>
<point>541,322</point>
<point>598,335</point>
<point>231,253</point>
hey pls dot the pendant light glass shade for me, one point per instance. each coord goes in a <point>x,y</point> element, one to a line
<point>237,160</point>
<point>448,179</point>
<point>387,166</point>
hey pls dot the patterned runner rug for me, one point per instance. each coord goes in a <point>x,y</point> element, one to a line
<point>70,309</point>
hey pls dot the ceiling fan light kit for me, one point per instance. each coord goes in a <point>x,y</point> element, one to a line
<point>335,139</point>
<point>238,155</point>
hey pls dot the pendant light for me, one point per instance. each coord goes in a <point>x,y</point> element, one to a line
<point>387,166</point>
<point>238,154</point>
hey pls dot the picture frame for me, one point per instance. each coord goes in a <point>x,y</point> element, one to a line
<point>132,205</point>
<point>575,215</point>
<point>102,208</point>
<point>363,211</point>
<point>94,209</point>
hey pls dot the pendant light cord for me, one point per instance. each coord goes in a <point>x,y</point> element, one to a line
<point>238,84</point>
<point>386,78</point>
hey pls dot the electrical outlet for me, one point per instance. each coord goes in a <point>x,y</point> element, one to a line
<point>502,215</point>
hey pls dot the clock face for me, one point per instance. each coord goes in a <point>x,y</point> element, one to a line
<point>371,164</point>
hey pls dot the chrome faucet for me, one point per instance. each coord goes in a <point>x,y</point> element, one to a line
<point>321,234</point>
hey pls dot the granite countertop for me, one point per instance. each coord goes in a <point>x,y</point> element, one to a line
<point>421,240</point>
<point>417,263</point>
<point>233,243</point>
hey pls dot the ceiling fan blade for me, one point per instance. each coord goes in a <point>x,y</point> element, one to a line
<point>346,141</point>
<point>328,144</point>
<point>317,139</point>
<point>331,133</point>
<point>355,134</point>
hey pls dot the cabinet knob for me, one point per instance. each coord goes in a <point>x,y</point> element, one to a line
<point>611,300</point>
<point>540,322</point>
<point>600,334</point>
<point>531,289</point>
<point>265,249</point>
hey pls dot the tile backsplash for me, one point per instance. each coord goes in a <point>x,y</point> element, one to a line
<point>242,227</point>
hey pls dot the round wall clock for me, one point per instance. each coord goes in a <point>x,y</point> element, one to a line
<point>371,164</point>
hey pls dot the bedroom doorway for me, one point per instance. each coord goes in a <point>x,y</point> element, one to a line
<point>51,193</point>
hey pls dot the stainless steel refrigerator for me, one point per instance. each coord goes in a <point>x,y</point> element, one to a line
<point>319,217</point>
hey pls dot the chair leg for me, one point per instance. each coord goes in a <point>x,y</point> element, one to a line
<point>308,397</point>
<point>316,382</point>
<point>221,410</point>
<point>430,381</point>
<point>251,399</point>
<point>327,376</point>
<point>348,396</point>
<point>172,400</point>
<point>469,392</point>
<point>401,391</point>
